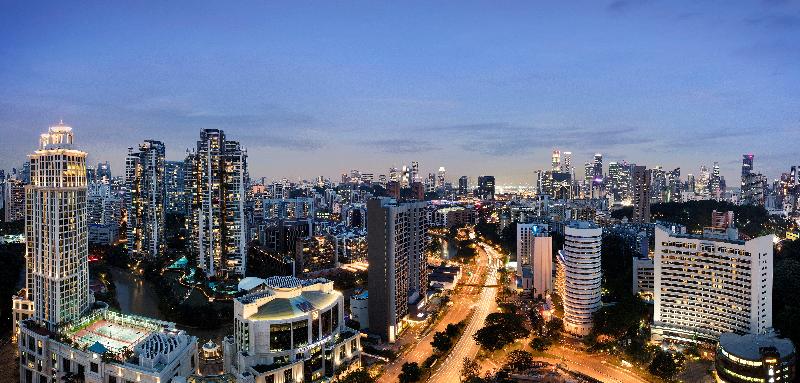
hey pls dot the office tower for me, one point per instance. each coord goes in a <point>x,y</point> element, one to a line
<point>747,167</point>
<point>56,229</point>
<point>746,358</point>
<point>690,183</point>
<point>641,195</point>
<point>440,178</point>
<point>25,174</point>
<point>709,284</point>
<point>754,191</point>
<point>144,200</point>
<point>103,172</point>
<point>556,161</point>
<point>702,186</point>
<point>104,209</point>
<point>397,275</point>
<point>566,162</point>
<point>658,184</point>
<point>415,171</point>
<point>535,258</point>
<point>486,187</point>
<point>579,275</point>
<point>2,189</point>
<point>597,168</point>
<point>619,180</point>
<point>216,180</point>
<point>174,179</point>
<point>463,185</point>
<point>418,191</point>
<point>673,193</point>
<point>714,183</point>
<point>14,200</point>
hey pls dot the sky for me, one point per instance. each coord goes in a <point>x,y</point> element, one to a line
<point>485,87</point>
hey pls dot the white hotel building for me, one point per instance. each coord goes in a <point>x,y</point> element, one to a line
<point>578,275</point>
<point>706,285</point>
<point>290,330</point>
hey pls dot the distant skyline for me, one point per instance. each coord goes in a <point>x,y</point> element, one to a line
<point>320,88</point>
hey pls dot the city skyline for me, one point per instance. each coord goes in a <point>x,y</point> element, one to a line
<point>376,84</point>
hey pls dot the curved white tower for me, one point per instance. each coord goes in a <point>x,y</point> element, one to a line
<point>579,275</point>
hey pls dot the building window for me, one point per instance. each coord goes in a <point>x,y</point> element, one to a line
<point>93,367</point>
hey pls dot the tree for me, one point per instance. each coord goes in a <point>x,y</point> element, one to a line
<point>410,373</point>
<point>441,341</point>
<point>667,365</point>
<point>358,376</point>
<point>453,330</point>
<point>470,369</point>
<point>519,360</point>
<point>553,329</point>
<point>540,344</point>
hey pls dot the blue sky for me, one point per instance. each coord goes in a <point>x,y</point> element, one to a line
<point>318,88</point>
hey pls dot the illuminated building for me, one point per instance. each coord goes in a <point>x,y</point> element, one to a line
<point>486,187</point>
<point>747,358</point>
<point>174,179</point>
<point>535,258</point>
<point>566,162</point>
<point>216,180</point>
<point>463,185</point>
<point>68,336</point>
<point>14,200</point>
<point>290,330</point>
<point>709,284</point>
<point>144,200</point>
<point>104,209</point>
<point>641,194</point>
<point>619,181</point>
<point>578,275</point>
<point>397,276</point>
<point>556,161</point>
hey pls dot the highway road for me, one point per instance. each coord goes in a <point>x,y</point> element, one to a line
<point>449,370</point>
<point>464,301</point>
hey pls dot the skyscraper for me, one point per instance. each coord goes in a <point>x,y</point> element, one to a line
<point>463,185</point>
<point>103,172</point>
<point>174,178</point>
<point>144,200</point>
<point>486,187</point>
<point>397,275</point>
<point>556,161</point>
<point>216,180</point>
<point>566,162</point>
<point>14,200</point>
<point>747,166</point>
<point>579,275</point>
<point>56,229</point>
<point>641,195</point>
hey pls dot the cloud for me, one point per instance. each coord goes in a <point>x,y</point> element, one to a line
<point>619,6</point>
<point>400,145</point>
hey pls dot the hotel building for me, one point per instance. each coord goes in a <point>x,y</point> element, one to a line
<point>290,330</point>
<point>709,284</point>
<point>534,258</point>
<point>579,275</point>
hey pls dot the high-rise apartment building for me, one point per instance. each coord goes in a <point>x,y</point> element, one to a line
<point>104,209</point>
<point>641,194</point>
<point>535,258</point>
<point>175,184</point>
<point>103,172</point>
<point>486,187</point>
<point>566,162</point>
<point>56,229</point>
<point>747,167</point>
<point>397,275</point>
<point>14,200</point>
<point>710,284</point>
<point>619,181</point>
<point>144,199</point>
<point>579,275</point>
<point>216,180</point>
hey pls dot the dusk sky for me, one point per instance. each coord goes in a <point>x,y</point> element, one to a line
<point>319,88</point>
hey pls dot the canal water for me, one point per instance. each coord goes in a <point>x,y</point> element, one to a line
<point>138,296</point>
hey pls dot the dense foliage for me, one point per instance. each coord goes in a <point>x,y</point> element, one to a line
<point>501,329</point>
<point>752,221</point>
<point>410,373</point>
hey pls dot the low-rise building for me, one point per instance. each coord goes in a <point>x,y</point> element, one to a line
<point>754,358</point>
<point>290,330</point>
